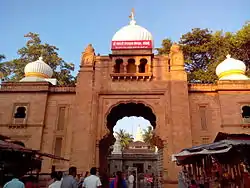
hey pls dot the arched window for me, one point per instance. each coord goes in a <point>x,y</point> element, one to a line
<point>20,112</point>
<point>245,112</point>
<point>118,66</point>
<point>131,68</point>
<point>142,66</point>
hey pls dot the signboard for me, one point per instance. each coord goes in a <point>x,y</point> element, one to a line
<point>127,45</point>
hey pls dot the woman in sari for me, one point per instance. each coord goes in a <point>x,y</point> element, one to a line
<point>119,181</point>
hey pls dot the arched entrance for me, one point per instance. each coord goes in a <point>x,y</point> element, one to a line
<point>116,113</point>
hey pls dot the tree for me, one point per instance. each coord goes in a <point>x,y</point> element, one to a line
<point>241,45</point>
<point>33,49</point>
<point>125,138</point>
<point>204,50</point>
<point>3,72</point>
<point>148,136</point>
<point>165,47</point>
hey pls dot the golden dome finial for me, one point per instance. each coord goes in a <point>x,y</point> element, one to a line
<point>132,17</point>
<point>40,58</point>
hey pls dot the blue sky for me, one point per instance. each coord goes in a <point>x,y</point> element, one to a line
<point>71,25</point>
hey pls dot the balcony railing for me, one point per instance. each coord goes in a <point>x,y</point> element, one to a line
<point>131,76</point>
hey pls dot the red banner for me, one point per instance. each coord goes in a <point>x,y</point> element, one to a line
<point>126,45</point>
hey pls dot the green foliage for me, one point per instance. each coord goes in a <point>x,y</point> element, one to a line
<point>3,71</point>
<point>148,136</point>
<point>33,49</point>
<point>166,45</point>
<point>204,50</point>
<point>125,138</point>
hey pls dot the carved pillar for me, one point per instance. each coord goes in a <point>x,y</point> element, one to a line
<point>125,67</point>
<point>165,160</point>
<point>137,64</point>
<point>97,155</point>
<point>149,66</point>
<point>137,68</point>
<point>113,66</point>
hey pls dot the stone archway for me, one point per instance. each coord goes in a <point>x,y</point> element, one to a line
<point>117,112</point>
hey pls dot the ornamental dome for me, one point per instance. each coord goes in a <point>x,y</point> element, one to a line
<point>132,36</point>
<point>38,69</point>
<point>132,32</point>
<point>231,69</point>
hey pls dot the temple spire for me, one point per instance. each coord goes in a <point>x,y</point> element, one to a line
<point>139,134</point>
<point>132,17</point>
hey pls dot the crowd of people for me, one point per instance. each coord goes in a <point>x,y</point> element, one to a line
<point>71,180</point>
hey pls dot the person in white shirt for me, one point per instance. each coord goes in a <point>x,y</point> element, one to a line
<point>57,183</point>
<point>131,180</point>
<point>92,181</point>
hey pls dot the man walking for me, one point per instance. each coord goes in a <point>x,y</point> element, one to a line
<point>70,181</point>
<point>93,181</point>
<point>14,183</point>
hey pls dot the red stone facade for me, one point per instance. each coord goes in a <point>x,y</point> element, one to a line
<point>71,121</point>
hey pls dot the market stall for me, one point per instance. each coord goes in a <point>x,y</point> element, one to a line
<point>219,164</point>
<point>16,159</point>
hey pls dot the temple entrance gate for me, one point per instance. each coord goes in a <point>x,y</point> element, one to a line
<point>131,82</point>
<point>128,108</point>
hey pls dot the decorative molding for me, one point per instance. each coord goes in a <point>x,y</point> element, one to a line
<point>198,87</point>
<point>27,125</point>
<point>225,85</point>
<point>107,103</point>
<point>24,87</point>
<point>236,125</point>
<point>62,89</point>
<point>35,87</point>
<point>131,76</point>
<point>133,93</point>
<point>104,132</point>
<point>22,138</point>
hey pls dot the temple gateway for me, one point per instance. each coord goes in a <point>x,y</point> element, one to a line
<point>76,122</point>
<point>138,155</point>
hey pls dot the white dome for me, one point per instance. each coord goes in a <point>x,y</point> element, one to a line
<point>132,36</point>
<point>38,69</point>
<point>132,32</point>
<point>231,69</point>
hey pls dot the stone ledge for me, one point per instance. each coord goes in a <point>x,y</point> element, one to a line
<point>230,85</point>
<point>24,87</point>
<point>246,126</point>
<point>13,126</point>
<point>62,89</point>
<point>131,76</point>
<point>199,87</point>
<point>130,93</point>
<point>35,87</point>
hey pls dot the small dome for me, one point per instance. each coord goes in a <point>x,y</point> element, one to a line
<point>38,69</point>
<point>231,69</point>
<point>132,36</point>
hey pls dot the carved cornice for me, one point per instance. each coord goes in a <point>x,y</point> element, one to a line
<point>24,87</point>
<point>102,58</point>
<point>130,93</point>
<point>244,126</point>
<point>62,89</point>
<point>131,76</point>
<point>13,126</point>
<point>202,87</point>
<point>227,85</point>
<point>35,87</point>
